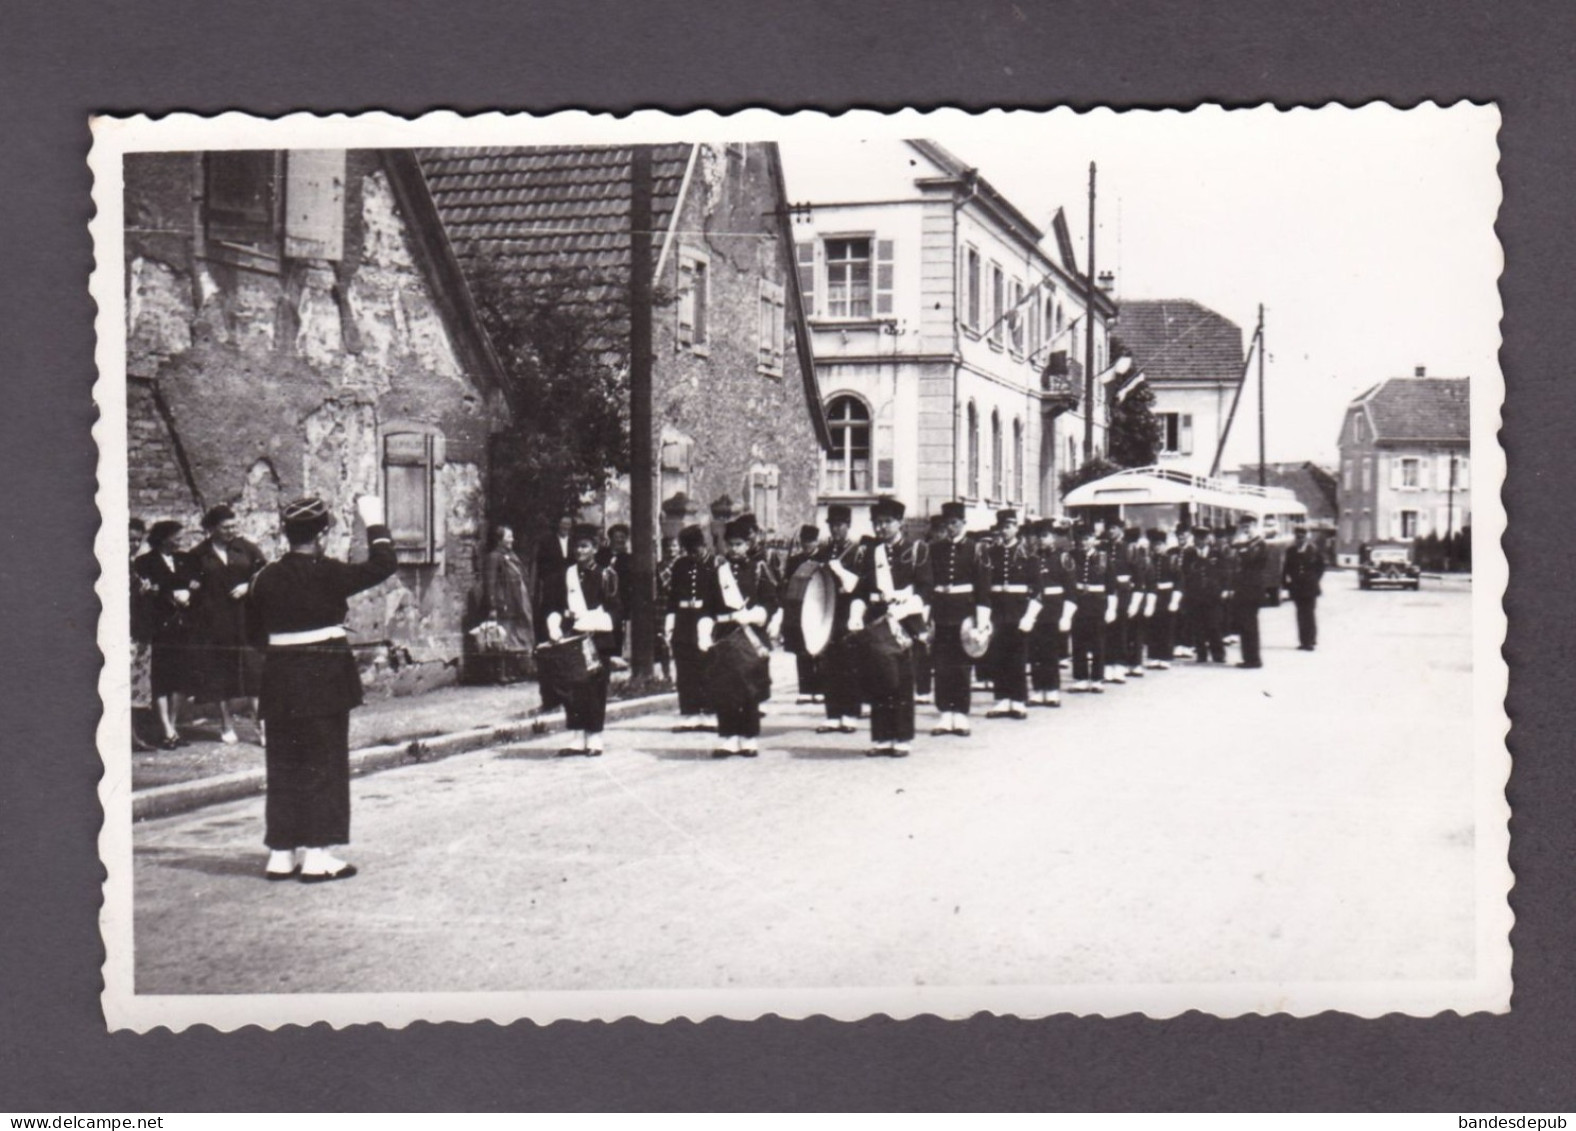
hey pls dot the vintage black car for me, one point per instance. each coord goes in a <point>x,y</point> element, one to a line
<point>1389,565</point>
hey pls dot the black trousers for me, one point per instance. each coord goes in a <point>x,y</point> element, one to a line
<point>922,662</point>
<point>1247,625</point>
<point>809,674</point>
<point>954,670</point>
<point>1045,651</point>
<point>1307,621</point>
<point>739,720</point>
<point>1137,636</point>
<point>1089,640</point>
<point>840,678</point>
<point>585,704</point>
<point>690,663</point>
<point>308,760</point>
<point>892,717</point>
<point>1117,631</point>
<point>1009,660</point>
<point>1162,628</point>
<point>1209,631</point>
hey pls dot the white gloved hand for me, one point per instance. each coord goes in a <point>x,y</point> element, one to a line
<point>555,626</point>
<point>703,631</point>
<point>856,617</point>
<point>754,615</point>
<point>1176,599</point>
<point>1149,604</point>
<point>183,597</point>
<point>1110,610</point>
<point>240,590</point>
<point>667,626</point>
<point>1067,620</point>
<point>370,508</point>
<point>845,577</point>
<point>1134,604</point>
<point>774,628</point>
<point>1026,624</point>
<point>982,616</point>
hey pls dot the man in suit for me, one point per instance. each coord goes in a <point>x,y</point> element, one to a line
<point>894,581</point>
<point>960,594</point>
<point>1304,569</point>
<point>310,684</point>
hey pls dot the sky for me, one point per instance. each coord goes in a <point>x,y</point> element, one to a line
<point>1367,234</point>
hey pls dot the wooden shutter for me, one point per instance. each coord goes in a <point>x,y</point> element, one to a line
<point>315,204</point>
<point>411,493</point>
<point>1187,434</point>
<point>1463,473</point>
<point>883,267</point>
<point>686,305</point>
<point>804,251</point>
<point>1395,471</point>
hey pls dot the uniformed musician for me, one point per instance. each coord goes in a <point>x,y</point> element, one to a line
<point>1162,601</point>
<point>960,595</point>
<point>1204,586</point>
<point>1120,582</point>
<point>1058,606</point>
<point>687,589</point>
<point>310,684</point>
<point>894,581</point>
<point>586,602</point>
<point>806,664</point>
<point>1184,628</point>
<point>741,594</point>
<point>1013,573</point>
<point>1250,558</point>
<point>1139,607</point>
<point>839,676</point>
<point>1095,612</point>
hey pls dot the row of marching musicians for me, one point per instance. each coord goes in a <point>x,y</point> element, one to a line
<point>1011,608</point>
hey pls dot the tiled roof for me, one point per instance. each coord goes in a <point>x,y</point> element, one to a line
<point>1420,408</point>
<point>1180,340</point>
<point>552,210</point>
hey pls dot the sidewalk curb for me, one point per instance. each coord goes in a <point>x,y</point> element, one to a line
<point>183,797</point>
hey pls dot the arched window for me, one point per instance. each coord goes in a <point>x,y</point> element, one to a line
<point>998,487</point>
<point>974,451</point>
<point>1017,461</point>
<point>848,465</point>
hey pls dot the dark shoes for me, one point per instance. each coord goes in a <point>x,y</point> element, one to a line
<point>1245,664</point>
<point>275,877</point>
<point>343,873</point>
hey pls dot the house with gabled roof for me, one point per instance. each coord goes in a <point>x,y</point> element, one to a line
<point>1192,359</point>
<point>949,333</point>
<point>1406,462</point>
<point>735,407</point>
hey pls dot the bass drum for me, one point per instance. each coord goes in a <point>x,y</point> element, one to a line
<point>808,609</point>
<point>738,668</point>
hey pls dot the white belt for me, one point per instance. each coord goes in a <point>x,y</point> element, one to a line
<point>1123,578</point>
<point>692,604</point>
<point>1165,585</point>
<point>1052,591</point>
<point>1009,588</point>
<point>1092,588</point>
<point>950,589</point>
<point>309,636</point>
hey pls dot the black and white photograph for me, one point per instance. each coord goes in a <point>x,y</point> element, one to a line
<point>680,566</point>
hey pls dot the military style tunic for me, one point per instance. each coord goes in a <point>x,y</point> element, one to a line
<point>1302,572</point>
<point>752,588</point>
<point>688,588</point>
<point>1091,575</point>
<point>961,584</point>
<point>887,572</point>
<point>310,684</point>
<point>1014,577</point>
<point>1057,585</point>
<point>585,704</point>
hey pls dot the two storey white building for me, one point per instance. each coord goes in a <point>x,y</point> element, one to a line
<point>949,341</point>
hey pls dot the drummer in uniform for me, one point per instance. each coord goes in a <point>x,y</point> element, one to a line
<point>1138,603</point>
<point>1163,599</point>
<point>689,583</point>
<point>959,597</point>
<point>297,607</point>
<point>839,678</point>
<point>741,594</point>
<point>1121,584</point>
<point>1013,575</point>
<point>894,580</point>
<point>807,665</point>
<point>1096,610</point>
<point>1058,605</point>
<point>586,602</point>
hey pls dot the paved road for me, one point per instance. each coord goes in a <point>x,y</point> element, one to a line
<point>1308,821</point>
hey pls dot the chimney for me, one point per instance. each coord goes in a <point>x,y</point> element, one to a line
<point>1106,281</point>
<point>1420,371</point>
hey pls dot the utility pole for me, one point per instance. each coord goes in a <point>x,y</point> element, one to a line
<point>1261,395</point>
<point>642,472</point>
<point>1450,516</point>
<point>1088,447</point>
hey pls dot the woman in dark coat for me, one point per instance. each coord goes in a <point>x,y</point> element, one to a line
<point>172,587</point>
<point>224,665</point>
<point>507,604</point>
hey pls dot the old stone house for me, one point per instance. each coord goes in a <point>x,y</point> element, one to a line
<point>737,417</point>
<point>296,323</point>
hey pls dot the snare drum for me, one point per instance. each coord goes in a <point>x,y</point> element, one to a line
<point>882,647</point>
<point>808,609</point>
<point>569,662</point>
<point>738,668</point>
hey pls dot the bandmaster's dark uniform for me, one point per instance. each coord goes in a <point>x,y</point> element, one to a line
<point>1302,572</point>
<point>310,682</point>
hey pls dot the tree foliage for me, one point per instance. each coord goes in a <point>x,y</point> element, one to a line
<point>563,342</point>
<point>1135,435</point>
<point>1097,468</point>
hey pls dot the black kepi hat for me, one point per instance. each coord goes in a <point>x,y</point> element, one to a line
<point>808,533</point>
<point>1006,514</point>
<point>838,512</point>
<point>692,538</point>
<point>887,508</point>
<point>954,510</point>
<point>305,518</point>
<point>739,529</point>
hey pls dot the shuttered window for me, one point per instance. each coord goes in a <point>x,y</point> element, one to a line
<point>804,252</point>
<point>884,278</point>
<point>315,204</point>
<point>263,206</point>
<point>773,324</point>
<point>411,460</point>
<point>694,299</point>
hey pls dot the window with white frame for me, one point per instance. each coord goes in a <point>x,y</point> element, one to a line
<point>998,298</point>
<point>1406,524</point>
<point>1176,433</point>
<point>772,329</point>
<point>804,254</point>
<point>859,276</point>
<point>971,288</point>
<point>848,463</point>
<point>1017,460</point>
<point>1407,473</point>
<point>1015,317</point>
<point>973,440</point>
<point>998,483</point>
<point>1346,476</point>
<point>1368,474</point>
<point>694,301</point>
